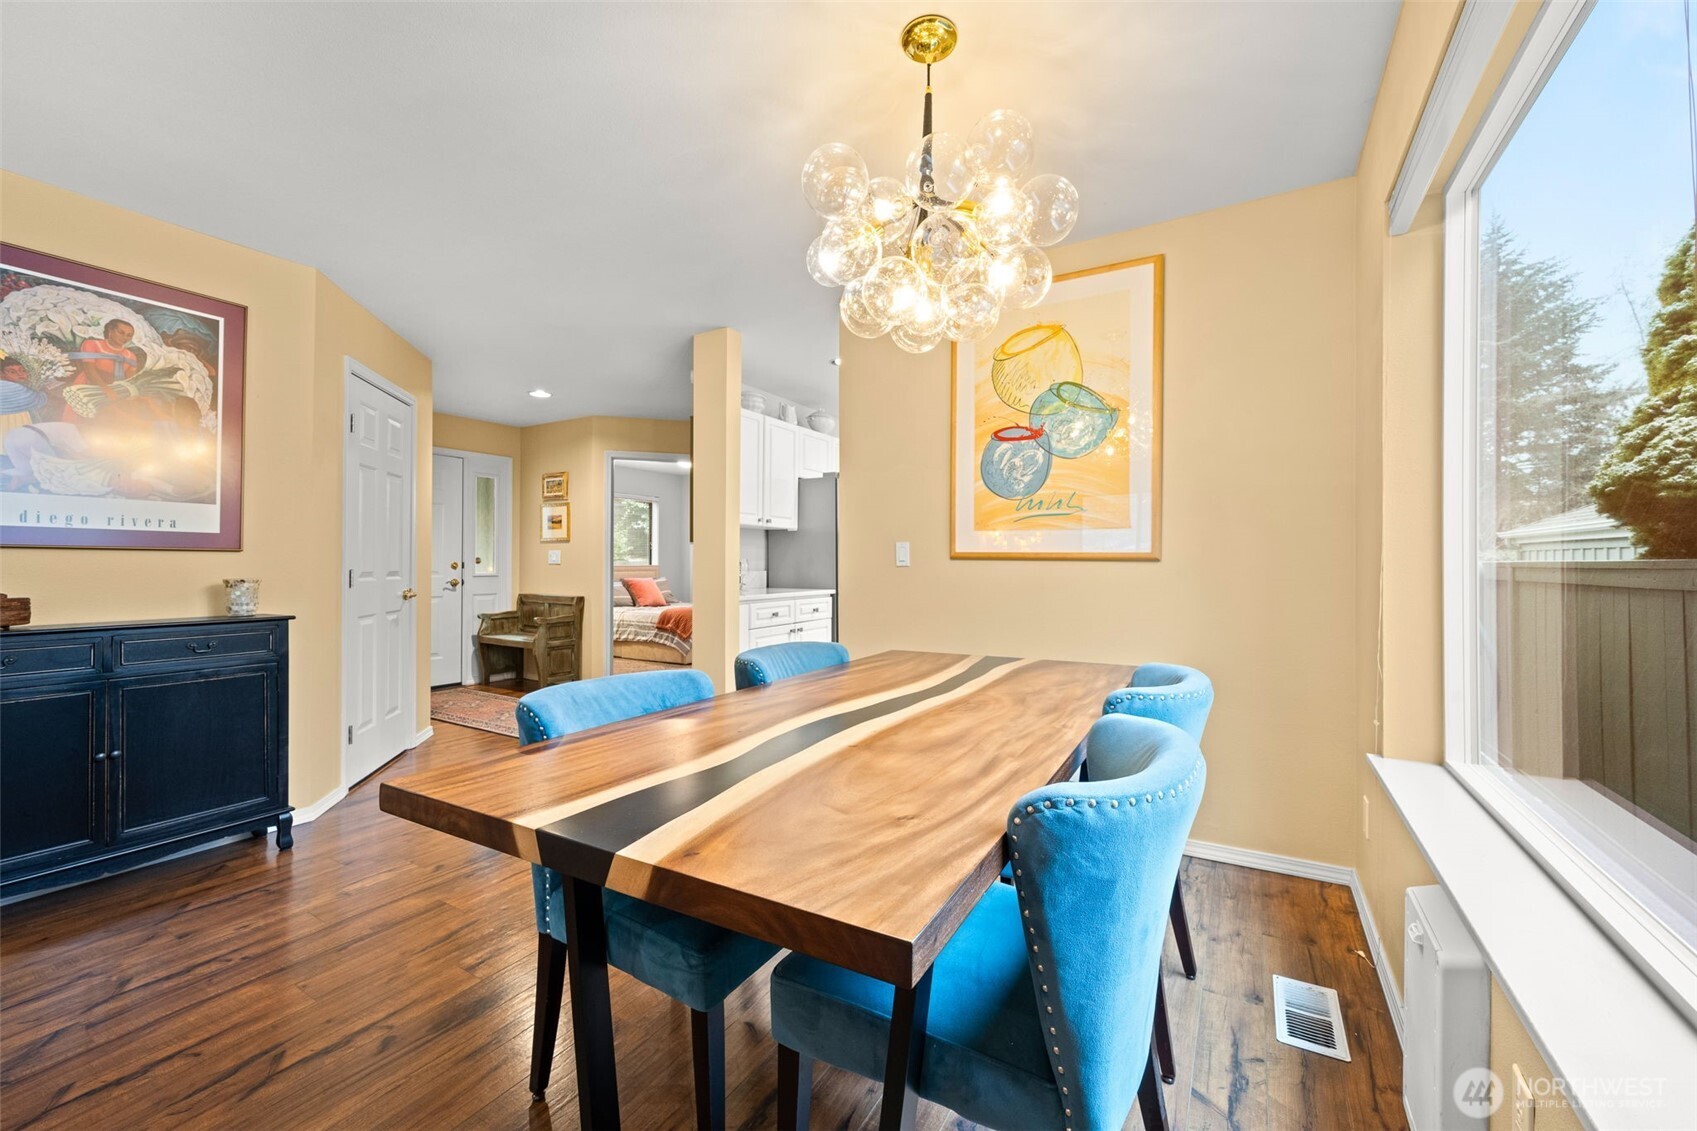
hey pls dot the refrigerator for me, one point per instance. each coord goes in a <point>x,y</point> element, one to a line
<point>806,557</point>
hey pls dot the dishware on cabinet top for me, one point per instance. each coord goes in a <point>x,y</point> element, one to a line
<point>754,402</point>
<point>823,422</point>
<point>788,414</point>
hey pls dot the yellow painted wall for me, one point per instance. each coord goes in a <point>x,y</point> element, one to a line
<point>1511,1045</point>
<point>1257,582</point>
<point>299,327</point>
<point>469,435</point>
<point>579,447</point>
<point>1399,398</point>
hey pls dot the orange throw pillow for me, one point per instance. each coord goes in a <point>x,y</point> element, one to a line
<point>645,592</point>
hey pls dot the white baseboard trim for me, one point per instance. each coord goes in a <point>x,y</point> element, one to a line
<point>308,813</point>
<point>1325,873</point>
<point>1269,862</point>
<point>422,735</point>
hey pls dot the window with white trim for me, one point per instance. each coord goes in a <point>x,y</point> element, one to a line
<point>635,541</point>
<point>1571,468</point>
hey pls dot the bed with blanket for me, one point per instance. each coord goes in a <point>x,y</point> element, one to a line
<point>657,634</point>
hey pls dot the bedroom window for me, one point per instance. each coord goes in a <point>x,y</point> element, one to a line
<point>1570,526</point>
<point>634,526</point>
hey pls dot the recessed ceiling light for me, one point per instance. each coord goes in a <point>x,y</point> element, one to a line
<point>541,394</point>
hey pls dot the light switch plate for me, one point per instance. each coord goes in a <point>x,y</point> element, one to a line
<point>901,554</point>
<point>553,557</point>
<point>1525,1111</point>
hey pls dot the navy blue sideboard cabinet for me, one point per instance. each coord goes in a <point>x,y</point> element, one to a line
<point>121,743</point>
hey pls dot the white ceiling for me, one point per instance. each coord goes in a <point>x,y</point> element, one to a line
<point>561,195</point>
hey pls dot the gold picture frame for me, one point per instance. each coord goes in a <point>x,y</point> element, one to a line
<point>556,487</point>
<point>1093,491</point>
<point>556,522</point>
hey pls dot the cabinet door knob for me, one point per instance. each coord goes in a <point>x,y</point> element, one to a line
<point>100,757</point>
<point>8,661</point>
<point>116,754</point>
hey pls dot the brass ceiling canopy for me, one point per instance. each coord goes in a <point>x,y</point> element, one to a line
<point>929,39</point>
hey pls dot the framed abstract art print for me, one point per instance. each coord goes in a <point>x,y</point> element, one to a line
<point>120,410</point>
<point>1055,424</point>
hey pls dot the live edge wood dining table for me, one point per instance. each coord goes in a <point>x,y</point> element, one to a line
<point>854,814</point>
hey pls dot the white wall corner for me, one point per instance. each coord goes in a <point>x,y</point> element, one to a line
<point>1324,873</point>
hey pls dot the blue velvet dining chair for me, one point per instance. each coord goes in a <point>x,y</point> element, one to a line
<point>1183,697</point>
<point>1042,1003</point>
<point>760,666</point>
<point>682,957</point>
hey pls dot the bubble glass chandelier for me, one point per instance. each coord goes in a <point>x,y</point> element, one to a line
<point>939,252</point>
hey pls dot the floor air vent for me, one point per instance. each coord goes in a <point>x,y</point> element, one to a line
<point>1307,1017</point>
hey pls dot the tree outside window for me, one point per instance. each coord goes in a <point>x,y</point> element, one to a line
<point>633,531</point>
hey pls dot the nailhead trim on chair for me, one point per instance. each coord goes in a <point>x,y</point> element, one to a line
<point>755,675</point>
<point>534,717</point>
<point>1019,889</point>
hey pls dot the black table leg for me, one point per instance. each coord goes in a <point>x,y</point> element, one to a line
<point>906,1052</point>
<point>1181,930</point>
<point>592,1007</point>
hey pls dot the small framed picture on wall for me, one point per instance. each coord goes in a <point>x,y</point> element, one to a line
<point>557,522</point>
<point>555,486</point>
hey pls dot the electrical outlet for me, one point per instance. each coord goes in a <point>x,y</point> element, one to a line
<point>902,556</point>
<point>1366,814</point>
<point>1525,1110</point>
<point>553,557</point>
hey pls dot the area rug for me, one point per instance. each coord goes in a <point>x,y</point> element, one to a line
<point>469,707</point>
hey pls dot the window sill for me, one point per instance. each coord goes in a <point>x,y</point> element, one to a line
<point>1622,1045</point>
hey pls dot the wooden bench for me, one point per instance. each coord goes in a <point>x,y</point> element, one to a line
<point>549,628</point>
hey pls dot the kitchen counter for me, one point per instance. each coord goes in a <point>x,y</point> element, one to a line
<point>781,594</point>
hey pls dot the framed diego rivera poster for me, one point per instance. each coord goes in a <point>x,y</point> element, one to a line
<point>120,410</point>
<point>1055,424</point>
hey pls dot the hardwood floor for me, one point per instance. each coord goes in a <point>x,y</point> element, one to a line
<point>381,975</point>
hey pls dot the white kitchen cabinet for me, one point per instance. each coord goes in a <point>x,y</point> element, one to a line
<point>785,620</point>
<point>819,630</point>
<point>753,440</point>
<point>771,466</point>
<point>782,462</point>
<point>818,453</point>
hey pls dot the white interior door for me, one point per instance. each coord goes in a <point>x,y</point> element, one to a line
<point>379,658</point>
<point>447,573</point>
<point>487,521</point>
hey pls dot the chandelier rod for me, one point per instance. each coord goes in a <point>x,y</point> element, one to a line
<point>926,184</point>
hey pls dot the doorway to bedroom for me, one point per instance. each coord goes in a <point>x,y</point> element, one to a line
<point>650,621</point>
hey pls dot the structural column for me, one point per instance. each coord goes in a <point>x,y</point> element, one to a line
<point>717,458</point>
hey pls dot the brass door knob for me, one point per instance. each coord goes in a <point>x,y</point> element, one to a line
<point>453,583</point>
<point>453,565</point>
<point>408,593</point>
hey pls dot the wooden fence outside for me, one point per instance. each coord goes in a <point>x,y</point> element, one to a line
<point>1597,667</point>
